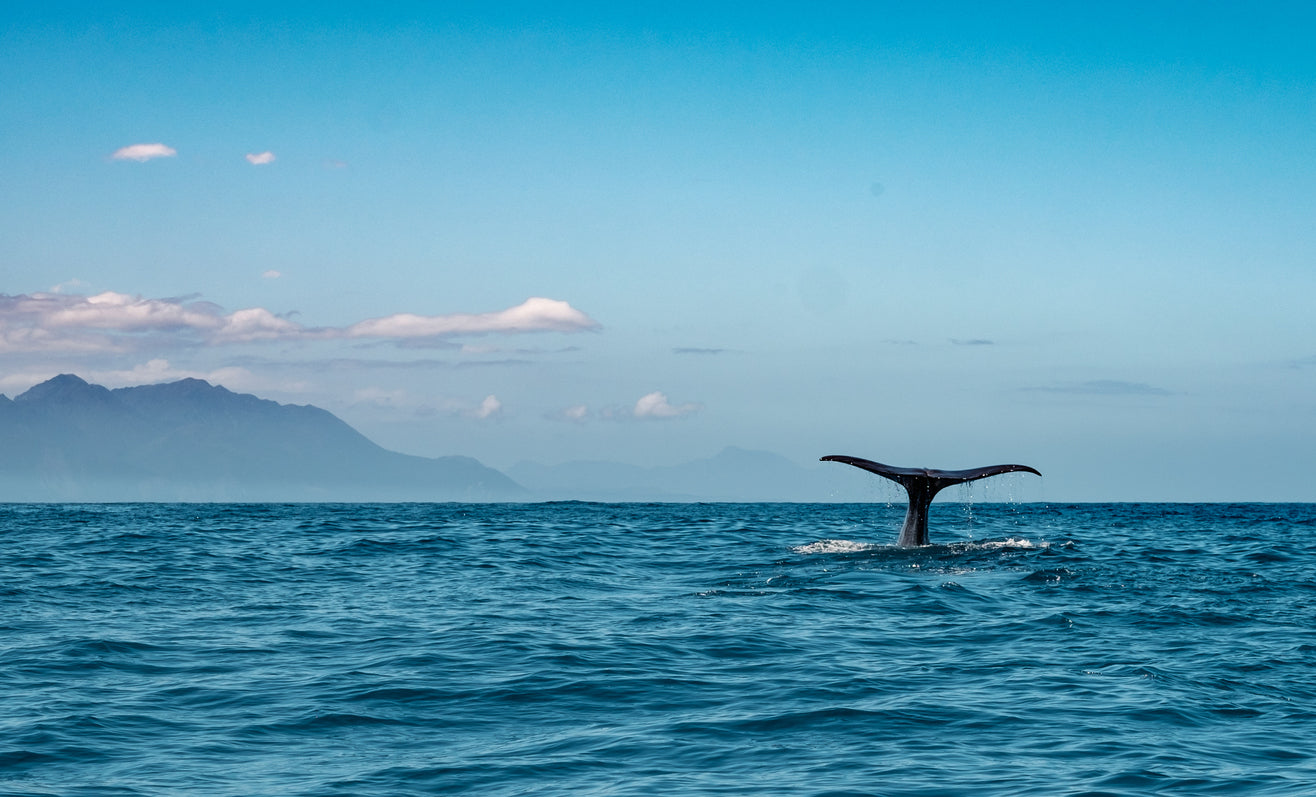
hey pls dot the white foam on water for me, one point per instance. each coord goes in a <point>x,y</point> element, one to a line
<point>835,546</point>
<point>1011,543</point>
<point>851,546</point>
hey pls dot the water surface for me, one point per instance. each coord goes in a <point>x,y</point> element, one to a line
<point>641,649</point>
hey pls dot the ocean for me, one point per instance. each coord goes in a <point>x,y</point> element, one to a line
<point>656,649</point>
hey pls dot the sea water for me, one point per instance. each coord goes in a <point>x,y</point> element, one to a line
<point>656,649</point>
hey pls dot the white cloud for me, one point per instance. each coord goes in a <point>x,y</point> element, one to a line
<point>260,158</point>
<point>656,406</point>
<point>577,412</point>
<point>119,311</point>
<point>102,323</point>
<point>143,152</point>
<point>272,274</point>
<point>113,321</point>
<point>491,407</point>
<point>533,315</point>
<point>257,323</point>
<point>400,403</point>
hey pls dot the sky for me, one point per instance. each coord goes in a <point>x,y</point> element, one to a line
<point>1074,236</point>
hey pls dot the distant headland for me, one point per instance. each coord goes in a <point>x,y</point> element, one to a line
<point>68,440</point>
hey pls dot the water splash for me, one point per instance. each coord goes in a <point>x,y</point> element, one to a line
<point>835,546</point>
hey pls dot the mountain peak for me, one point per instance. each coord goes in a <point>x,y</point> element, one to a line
<point>188,386</point>
<point>64,389</point>
<point>66,439</point>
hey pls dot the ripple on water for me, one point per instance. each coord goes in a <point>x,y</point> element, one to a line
<point>646,649</point>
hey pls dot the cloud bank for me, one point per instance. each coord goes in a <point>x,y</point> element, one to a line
<point>118,322</point>
<point>143,152</point>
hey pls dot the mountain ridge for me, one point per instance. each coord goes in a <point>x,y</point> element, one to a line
<point>69,440</point>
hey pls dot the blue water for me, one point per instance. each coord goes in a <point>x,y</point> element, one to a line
<point>592,649</point>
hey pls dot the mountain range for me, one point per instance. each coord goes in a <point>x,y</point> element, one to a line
<point>68,440</point>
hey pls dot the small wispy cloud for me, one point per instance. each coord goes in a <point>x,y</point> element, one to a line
<point>489,408</point>
<point>401,403</point>
<point>972,342</point>
<point>113,321</point>
<point>655,406</point>
<point>260,158</point>
<point>380,397</point>
<point>1102,387</point>
<point>143,152</point>
<point>576,413</point>
<point>696,350</point>
<point>69,285</point>
<point>271,274</point>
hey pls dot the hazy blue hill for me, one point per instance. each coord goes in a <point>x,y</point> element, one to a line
<point>68,440</point>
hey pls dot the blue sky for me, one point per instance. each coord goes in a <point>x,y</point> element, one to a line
<point>1080,239</point>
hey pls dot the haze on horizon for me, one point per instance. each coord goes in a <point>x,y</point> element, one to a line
<point>1076,238</point>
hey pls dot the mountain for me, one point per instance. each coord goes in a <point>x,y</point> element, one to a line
<point>734,474</point>
<point>68,440</point>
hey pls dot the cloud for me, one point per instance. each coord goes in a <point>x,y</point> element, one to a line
<point>380,397</point>
<point>143,152</point>
<point>68,285</point>
<point>257,323</point>
<point>491,407</point>
<point>533,315</point>
<point>576,413</point>
<point>271,274</point>
<point>695,350</point>
<point>1103,387</point>
<point>655,406</point>
<point>260,158</point>
<point>972,342</point>
<point>111,321</point>
<point>401,403</point>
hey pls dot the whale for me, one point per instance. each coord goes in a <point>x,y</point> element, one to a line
<point>921,485</point>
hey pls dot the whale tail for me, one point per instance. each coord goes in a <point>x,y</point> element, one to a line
<point>922,484</point>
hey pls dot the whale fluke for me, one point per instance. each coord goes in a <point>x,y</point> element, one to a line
<point>922,484</point>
